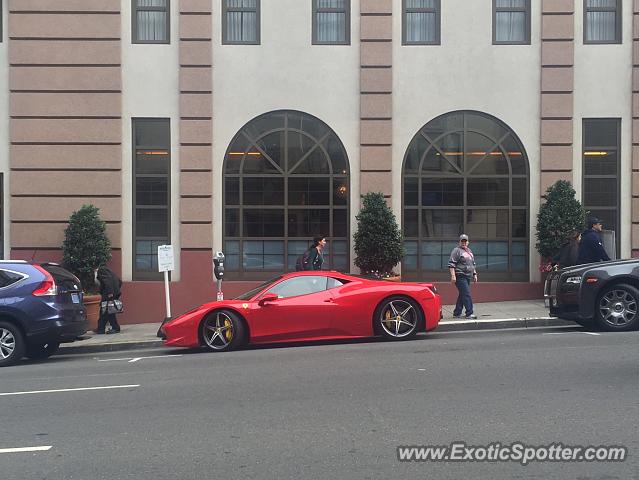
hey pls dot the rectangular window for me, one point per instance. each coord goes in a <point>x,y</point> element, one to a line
<point>331,22</point>
<point>511,22</point>
<point>151,194</point>
<point>151,21</point>
<point>601,185</point>
<point>602,21</point>
<point>421,22</point>
<point>240,22</point>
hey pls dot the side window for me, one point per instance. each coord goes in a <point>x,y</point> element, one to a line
<point>294,287</point>
<point>334,283</point>
<point>9,278</point>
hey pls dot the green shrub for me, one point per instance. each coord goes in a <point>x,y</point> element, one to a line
<point>86,246</point>
<point>378,240</point>
<point>560,215</point>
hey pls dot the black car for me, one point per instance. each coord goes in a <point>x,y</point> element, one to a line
<point>604,295</point>
<point>40,307</point>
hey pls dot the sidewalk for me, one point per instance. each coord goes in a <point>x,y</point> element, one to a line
<point>518,314</point>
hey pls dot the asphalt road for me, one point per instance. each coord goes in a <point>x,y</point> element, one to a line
<point>334,411</point>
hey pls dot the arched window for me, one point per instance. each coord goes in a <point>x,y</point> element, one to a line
<point>286,179</point>
<point>465,172</point>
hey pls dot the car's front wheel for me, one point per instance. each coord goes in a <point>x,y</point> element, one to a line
<point>12,344</point>
<point>618,308</point>
<point>42,350</point>
<point>398,318</point>
<point>223,330</point>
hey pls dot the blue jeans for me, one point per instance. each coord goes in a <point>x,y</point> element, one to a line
<point>463,299</point>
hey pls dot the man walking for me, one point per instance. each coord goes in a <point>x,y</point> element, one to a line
<point>591,248</point>
<point>462,272</point>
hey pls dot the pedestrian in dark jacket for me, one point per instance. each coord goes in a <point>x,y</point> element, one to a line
<point>569,253</point>
<point>315,257</point>
<point>591,248</point>
<point>462,272</point>
<point>110,289</point>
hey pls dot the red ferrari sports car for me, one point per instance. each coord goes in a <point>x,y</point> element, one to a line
<point>311,305</point>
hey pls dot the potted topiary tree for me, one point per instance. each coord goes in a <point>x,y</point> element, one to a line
<point>378,240</point>
<point>85,248</point>
<point>560,215</point>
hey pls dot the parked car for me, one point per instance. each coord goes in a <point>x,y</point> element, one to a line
<point>40,307</point>
<point>310,305</point>
<point>603,295</point>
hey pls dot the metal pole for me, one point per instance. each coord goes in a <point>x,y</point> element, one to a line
<point>166,293</point>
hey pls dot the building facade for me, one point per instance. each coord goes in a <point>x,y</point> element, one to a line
<point>249,126</point>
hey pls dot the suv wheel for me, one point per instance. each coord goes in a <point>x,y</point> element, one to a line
<point>12,344</point>
<point>618,308</point>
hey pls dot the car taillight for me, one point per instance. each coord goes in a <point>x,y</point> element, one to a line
<point>47,286</point>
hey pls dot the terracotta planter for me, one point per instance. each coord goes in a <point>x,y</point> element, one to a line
<point>92,305</point>
<point>396,278</point>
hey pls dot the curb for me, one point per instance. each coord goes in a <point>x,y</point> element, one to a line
<point>444,326</point>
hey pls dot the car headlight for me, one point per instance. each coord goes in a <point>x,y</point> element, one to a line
<point>574,279</point>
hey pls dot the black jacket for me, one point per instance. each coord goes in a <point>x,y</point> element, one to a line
<point>591,249</point>
<point>110,284</point>
<point>315,260</point>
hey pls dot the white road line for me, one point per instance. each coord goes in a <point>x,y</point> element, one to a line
<point>25,449</point>
<point>136,359</point>
<point>569,333</point>
<point>68,390</point>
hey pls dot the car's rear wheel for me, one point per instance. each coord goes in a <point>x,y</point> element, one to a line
<point>398,318</point>
<point>42,350</point>
<point>223,330</point>
<point>618,308</point>
<point>12,344</point>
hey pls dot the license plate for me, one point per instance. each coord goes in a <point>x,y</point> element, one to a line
<point>75,298</point>
<point>547,302</point>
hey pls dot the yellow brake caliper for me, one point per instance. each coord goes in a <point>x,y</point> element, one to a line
<point>228,333</point>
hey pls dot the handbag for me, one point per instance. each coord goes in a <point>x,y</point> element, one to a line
<point>110,307</point>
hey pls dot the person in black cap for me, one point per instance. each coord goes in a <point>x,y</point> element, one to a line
<point>462,272</point>
<point>591,248</point>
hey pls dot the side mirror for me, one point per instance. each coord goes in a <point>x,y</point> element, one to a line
<point>269,297</point>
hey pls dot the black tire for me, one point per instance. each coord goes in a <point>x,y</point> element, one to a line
<point>222,330</point>
<point>617,308</point>
<point>42,351</point>
<point>398,318</point>
<point>12,344</point>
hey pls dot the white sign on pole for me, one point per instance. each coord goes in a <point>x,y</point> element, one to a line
<point>166,260</point>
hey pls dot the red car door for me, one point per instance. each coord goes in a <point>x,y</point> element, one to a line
<point>303,311</point>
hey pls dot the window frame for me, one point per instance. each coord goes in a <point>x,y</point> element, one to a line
<point>260,274</point>
<point>438,23</point>
<point>347,22</point>
<point>134,23</point>
<point>526,10</point>
<point>466,176</point>
<point>141,274</point>
<point>616,148</point>
<point>258,33</point>
<point>618,23</point>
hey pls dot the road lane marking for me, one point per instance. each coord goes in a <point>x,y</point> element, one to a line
<point>136,359</point>
<point>568,333</point>
<point>110,387</point>
<point>26,449</point>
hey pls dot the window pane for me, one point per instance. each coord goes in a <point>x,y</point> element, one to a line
<point>331,27</point>
<point>510,26</point>
<point>152,26</point>
<point>263,191</point>
<point>152,134</point>
<point>411,192</point>
<point>487,223</point>
<point>520,192</point>
<point>411,223</point>
<point>232,222</point>
<point>510,3</point>
<point>600,192</point>
<point>232,191</point>
<point>601,133</point>
<point>263,223</point>
<point>152,161</point>
<point>337,155</point>
<point>307,223</point>
<point>600,162</point>
<point>488,191</point>
<point>151,222</point>
<point>441,223</point>
<point>151,3</point>
<point>520,224</point>
<point>421,27</point>
<point>494,163</point>
<point>442,192</point>
<point>340,223</point>
<point>340,191</point>
<point>241,26</point>
<point>452,147</point>
<point>151,191</point>
<point>476,148</point>
<point>299,286</point>
<point>308,191</point>
<point>601,26</point>
<point>421,3</point>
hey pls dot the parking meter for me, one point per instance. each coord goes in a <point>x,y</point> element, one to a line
<point>218,271</point>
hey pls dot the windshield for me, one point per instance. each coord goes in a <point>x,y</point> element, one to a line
<point>251,293</point>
